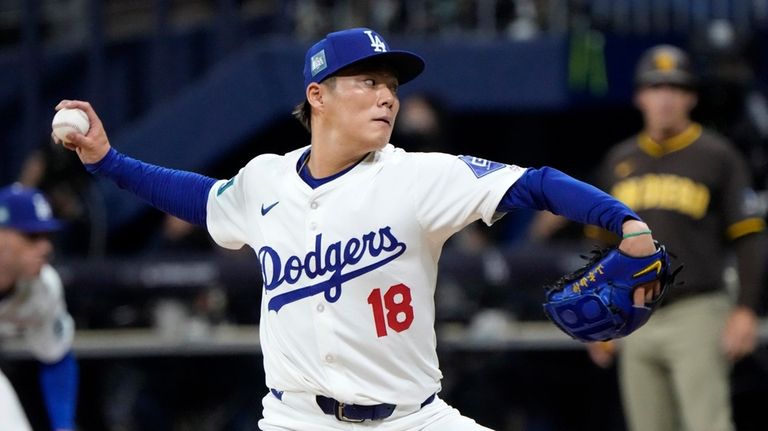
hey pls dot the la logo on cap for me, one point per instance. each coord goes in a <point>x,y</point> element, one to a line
<point>376,43</point>
<point>42,209</point>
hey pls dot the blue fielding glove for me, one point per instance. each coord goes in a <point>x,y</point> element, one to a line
<point>594,303</point>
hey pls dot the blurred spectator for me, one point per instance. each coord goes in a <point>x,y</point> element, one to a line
<point>32,307</point>
<point>387,15</point>
<point>421,124</point>
<point>693,187</point>
<point>474,277</point>
<point>730,99</point>
<point>177,236</point>
<point>523,24</point>
<point>73,196</point>
<point>547,227</point>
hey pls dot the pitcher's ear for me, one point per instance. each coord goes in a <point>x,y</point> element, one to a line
<point>314,94</point>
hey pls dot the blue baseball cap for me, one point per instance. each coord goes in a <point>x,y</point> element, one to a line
<point>343,48</point>
<point>25,209</point>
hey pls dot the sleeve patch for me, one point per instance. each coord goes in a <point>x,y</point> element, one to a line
<point>225,186</point>
<point>481,167</point>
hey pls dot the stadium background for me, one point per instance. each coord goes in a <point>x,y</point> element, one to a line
<point>206,84</point>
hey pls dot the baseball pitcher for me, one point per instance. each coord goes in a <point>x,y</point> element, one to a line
<point>348,232</point>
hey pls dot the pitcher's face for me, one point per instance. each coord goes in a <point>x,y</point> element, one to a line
<point>365,105</point>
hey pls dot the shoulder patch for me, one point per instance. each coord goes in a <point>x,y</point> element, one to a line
<point>225,186</point>
<point>481,167</point>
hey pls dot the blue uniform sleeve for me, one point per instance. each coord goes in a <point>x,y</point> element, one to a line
<point>179,193</point>
<point>552,190</point>
<point>59,386</point>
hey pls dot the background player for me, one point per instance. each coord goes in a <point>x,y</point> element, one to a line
<point>348,232</point>
<point>32,305</point>
<point>694,188</point>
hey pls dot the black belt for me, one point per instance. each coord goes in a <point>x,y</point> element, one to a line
<point>358,413</point>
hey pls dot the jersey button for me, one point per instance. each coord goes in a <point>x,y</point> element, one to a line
<point>312,226</point>
<point>320,308</point>
<point>313,205</point>
<point>329,358</point>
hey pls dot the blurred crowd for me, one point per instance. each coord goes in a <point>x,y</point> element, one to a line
<point>69,22</point>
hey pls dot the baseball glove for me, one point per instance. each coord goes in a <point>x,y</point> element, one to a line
<point>594,303</point>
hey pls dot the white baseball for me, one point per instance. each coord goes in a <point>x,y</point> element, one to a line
<point>68,121</point>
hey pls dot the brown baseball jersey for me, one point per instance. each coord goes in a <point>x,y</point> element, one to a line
<point>694,192</point>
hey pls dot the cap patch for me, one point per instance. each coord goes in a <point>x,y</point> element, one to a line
<point>665,61</point>
<point>318,63</point>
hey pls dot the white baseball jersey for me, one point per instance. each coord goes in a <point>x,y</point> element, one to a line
<point>350,267</point>
<point>36,310</point>
<point>12,415</point>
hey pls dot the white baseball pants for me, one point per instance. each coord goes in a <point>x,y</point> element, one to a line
<point>300,412</point>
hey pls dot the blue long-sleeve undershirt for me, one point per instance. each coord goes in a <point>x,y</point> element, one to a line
<point>185,194</point>
<point>179,193</point>
<point>549,189</point>
<point>59,382</point>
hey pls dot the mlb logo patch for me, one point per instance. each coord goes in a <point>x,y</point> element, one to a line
<point>318,63</point>
<point>481,167</point>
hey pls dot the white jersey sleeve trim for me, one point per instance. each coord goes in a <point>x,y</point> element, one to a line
<point>489,211</point>
<point>223,214</point>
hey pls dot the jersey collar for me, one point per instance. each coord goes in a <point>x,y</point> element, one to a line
<point>675,143</point>
<point>301,168</point>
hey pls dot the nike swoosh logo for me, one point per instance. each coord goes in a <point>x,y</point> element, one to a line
<point>264,211</point>
<point>655,266</point>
